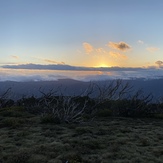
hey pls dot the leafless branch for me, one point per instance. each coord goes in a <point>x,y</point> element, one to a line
<point>3,97</point>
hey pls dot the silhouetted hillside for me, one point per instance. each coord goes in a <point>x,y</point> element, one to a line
<point>73,87</point>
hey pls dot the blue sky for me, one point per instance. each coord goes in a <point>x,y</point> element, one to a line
<point>83,33</point>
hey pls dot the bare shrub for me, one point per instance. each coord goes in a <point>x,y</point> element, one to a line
<point>66,109</point>
<point>136,105</point>
<point>113,90</point>
<point>4,99</point>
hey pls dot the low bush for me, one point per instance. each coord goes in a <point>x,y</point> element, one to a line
<point>50,118</point>
<point>14,111</point>
<point>20,156</point>
<point>12,122</point>
<point>104,113</point>
<point>159,115</point>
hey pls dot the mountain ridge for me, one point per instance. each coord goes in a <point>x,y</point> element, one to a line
<point>71,86</point>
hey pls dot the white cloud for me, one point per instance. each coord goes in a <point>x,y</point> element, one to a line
<point>140,42</point>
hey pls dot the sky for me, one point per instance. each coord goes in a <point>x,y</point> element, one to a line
<point>39,37</point>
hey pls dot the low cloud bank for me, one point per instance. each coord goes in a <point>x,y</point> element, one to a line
<point>68,67</point>
<point>33,72</point>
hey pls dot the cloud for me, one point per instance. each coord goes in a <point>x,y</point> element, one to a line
<point>122,46</point>
<point>28,75</point>
<point>159,63</point>
<point>55,62</point>
<point>7,63</point>
<point>50,61</point>
<point>14,56</point>
<point>117,55</point>
<point>152,49</point>
<point>88,47</point>
<point>87,74</point>
<point>67,67</point>
<point>140,42</point>
<point>101,51</point>
<point>41,67</point>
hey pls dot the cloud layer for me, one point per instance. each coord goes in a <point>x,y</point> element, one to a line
<point>35,72</point>
<point>66,67</point>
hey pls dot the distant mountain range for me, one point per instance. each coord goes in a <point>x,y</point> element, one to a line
<point>73,87</point>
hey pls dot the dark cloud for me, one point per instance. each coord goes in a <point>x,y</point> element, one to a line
<point>68,67</point>
<point>40,67</point>
<point>122,46</point>
<point>159,63</point>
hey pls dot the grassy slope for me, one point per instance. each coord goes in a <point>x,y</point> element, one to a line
<point>23,139</point>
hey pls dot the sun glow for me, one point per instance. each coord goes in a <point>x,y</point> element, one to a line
<point>102,65</point>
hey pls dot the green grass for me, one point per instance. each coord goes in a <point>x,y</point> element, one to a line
<point>24,138</point>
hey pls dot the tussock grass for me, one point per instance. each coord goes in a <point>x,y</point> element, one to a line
<point>25,138</point>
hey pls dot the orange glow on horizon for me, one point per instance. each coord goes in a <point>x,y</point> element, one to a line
<point>102,65</point>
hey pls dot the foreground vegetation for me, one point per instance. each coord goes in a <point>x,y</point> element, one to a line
<point>27,138</point>
<point>108,123</point>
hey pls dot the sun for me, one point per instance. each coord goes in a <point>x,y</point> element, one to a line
<point>103,65</point>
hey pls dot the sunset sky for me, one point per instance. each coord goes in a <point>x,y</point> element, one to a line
<point>80,33</point>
